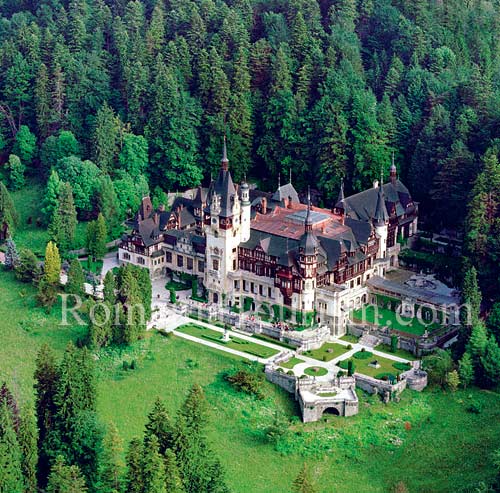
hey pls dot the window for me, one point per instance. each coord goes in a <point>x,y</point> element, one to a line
<point>126,256</point>
<point>201,266</point>
<point>234,264</point>
<point>190,264</point>
<point>180,261</point>
<point>215,264</point>
<point>168,257</point>
<point>140,260</point>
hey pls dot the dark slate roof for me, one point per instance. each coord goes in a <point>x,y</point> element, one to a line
<point>224,187</point>
<point>361,229</point>
<point>284,192</point>
<point>273,245</point>
<point>380,216</point>
<point>363,205</point>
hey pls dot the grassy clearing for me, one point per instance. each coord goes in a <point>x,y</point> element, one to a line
<point>363,366</point>
<point>28,235</point>
<point>327,352</point>
<point>388,318</point>
<point>235,343</point>
<point>350,338</point>
<point>401,353</point>
<point>292,362</point>
<point>24,327</point>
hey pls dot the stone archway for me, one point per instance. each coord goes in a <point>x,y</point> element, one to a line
<point>333,411</point>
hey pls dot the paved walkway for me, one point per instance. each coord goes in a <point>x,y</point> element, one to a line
<point>167,320</point>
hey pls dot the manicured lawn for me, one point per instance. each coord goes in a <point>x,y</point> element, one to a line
<point>388,318</point>
<point>327,352</point>
<point>316,371</point>
<point>292,362</point>
<point>362,366</point>
<point>402,353</point>
<point>350,338</point>
<point>235,343</point>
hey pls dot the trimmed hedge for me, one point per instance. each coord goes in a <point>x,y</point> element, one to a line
<point>362,355</point>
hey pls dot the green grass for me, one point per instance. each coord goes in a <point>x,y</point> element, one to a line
<point>402,353</point>
<point>235,343</point>
<point>316,371</point>
<point>350,338</point>
<point>429,432</point>
<point>292,362</point>
<point>28,203</point>
<point>263,337</point>
<point>327,352</point>
<point>362,366</point>
<point>24,327</point>
<point>388,318</point>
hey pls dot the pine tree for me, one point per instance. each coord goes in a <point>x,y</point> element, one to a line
<point>11,256</point>
<point>477,344</point>
<point>8,214</point>
<point>490,364</point>
<point>159,425</point>
<point>112,462</point>
<point>303,482</point>
<point>27,269</point>
<point>46,381</point>
<point>6,397</point>
<point>28,441</point>
<point>106,138</point>
<point>109,206</point>
<point>25,146</point>
<point>51,197</point>
<point>11,479</point>
<point>76,279</point>
<point>43,101</point>
<point>16,172</point>
<point>65,479</point>
<point>134,478</point>
<point>101,234</point>
<point>52,264</point>
<point>466,370</point>
<point>62,228</point>
<point>101,330</point>
<point>453,380</point>
<point>153,468</point>
<point>194,409</point>
<point>173,481</point>
<point>109,288</point>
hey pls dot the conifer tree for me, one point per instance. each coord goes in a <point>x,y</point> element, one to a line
<point>51,197</point>
<point>11,479</point>
<point>100,329</point>
<point>173,481</point>
<point>109,206</point>
<point>194,410</point>
<point>153,468</point>
<point>65,479</point>
<point>28,441</point>
<point>477,344</point>
<point>159,424</point>
<point>11,255</point>
<point>8,214</point>
<point>133,156</point>
<point>16,172</point>
<point>303,482</point>
<point>112,464</point>
<point>27,269</point>
<point>52,264</point>
<point>6,397</point>
<point>490,364</point>
<point>76,279</point>
<point>466,370</point>
<point>25,146</point>
<point>134,478</point>
<point>46,381</point>
<point>109,288</point>
<point>62,227</point>
<point>106,137</point>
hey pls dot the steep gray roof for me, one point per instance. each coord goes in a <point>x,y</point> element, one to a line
<point>285,192</point>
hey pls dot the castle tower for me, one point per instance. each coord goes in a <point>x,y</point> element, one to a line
<point>381,222</point>
<point>223,233</point>
<point>308,258</point>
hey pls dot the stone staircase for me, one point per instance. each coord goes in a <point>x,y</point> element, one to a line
<point>369,340</point>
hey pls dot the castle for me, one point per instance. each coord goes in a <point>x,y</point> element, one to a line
<point>268,251</point>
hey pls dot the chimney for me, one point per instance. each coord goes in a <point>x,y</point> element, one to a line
<point>289,204</point>
<point>375,183</point>
<point>264,205</point>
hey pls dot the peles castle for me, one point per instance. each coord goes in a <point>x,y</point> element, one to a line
<point>251,249</point>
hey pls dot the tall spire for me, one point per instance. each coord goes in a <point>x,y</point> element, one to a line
<point>290,171</point>
<point>279,181</point>
<point>224,161</point>
<point>381,215</point>
<point>308,224</point>
<point>394,171</point>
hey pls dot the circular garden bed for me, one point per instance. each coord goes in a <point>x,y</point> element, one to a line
<point>362,355</point>
<point>315,371</point>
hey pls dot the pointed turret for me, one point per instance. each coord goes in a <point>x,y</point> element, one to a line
<point>381,216</point>
<point>224,161</point>
<point>308,242</point>
<point>394,171</point>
